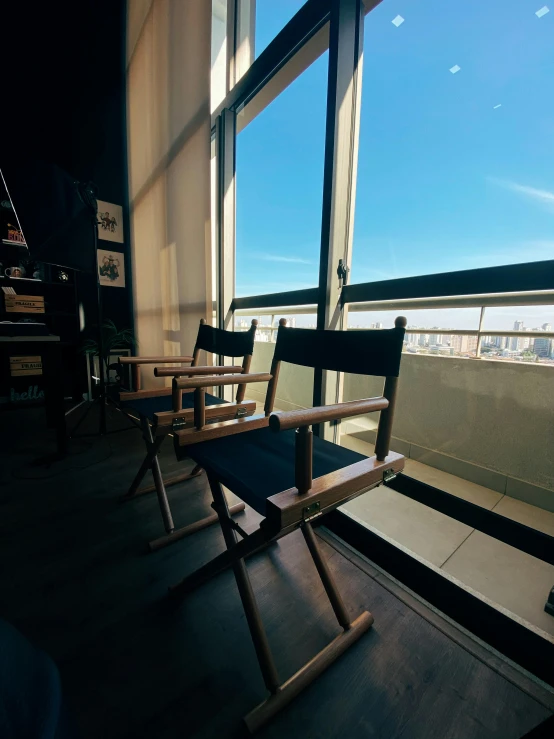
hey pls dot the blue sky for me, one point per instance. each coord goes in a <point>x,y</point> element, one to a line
<point>447,180</point>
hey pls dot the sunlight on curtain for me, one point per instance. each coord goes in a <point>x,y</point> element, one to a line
<point>168,86</point>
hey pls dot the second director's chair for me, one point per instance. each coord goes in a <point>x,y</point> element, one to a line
<point>175,409</point>
<point>275,464</point>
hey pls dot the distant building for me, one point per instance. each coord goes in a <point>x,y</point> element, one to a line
<point>436,339</point>
<point>464,344</point>
<point>514,343</point>
<point>542,347</point>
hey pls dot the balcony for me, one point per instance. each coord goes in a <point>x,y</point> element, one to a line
<point>475,428</point>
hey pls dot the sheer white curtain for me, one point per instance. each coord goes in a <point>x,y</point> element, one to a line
<point>168,120</point>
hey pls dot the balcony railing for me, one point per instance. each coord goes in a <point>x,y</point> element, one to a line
<point>542,297</point>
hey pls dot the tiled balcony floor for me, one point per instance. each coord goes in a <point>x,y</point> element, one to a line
<point>504,575</point>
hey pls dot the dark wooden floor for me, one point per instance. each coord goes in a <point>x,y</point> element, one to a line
<point>76,581</point>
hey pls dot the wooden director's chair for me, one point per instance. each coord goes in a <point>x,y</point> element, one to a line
<point>175,410</point>
<point>275,464</point>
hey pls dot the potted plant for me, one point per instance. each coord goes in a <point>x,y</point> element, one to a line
<point>112,340</point>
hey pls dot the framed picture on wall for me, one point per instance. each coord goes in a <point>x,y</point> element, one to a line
<point>110,222</point>
<point>111,268</point>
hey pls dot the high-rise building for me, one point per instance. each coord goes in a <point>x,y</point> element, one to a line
<point>515,344</point>
<point>464,344</point>
<point>542,347</point>
<point>436,339</point>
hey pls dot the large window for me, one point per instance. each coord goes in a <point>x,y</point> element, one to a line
<point>279,188</point>
<point>455,169</point>
<point>453,172</point>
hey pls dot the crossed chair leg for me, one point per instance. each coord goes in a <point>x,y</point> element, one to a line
<point>152,462</point>
<point>280,694</point>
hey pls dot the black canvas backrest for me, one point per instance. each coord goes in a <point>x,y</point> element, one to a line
<point>360,352</point>
<point>226,343</point>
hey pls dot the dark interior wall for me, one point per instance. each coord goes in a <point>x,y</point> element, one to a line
<point>64,102</point>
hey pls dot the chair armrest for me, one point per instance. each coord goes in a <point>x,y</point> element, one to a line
<point>329,491</point>
<point>190,371</point>
<point>306,417</point>
<point>212,380</point>
<point>153,360</point>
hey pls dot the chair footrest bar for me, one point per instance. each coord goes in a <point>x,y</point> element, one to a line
<point>307,674</point>
<point>203,523</point>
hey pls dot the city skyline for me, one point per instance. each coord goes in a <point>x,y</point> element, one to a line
<point>500,319</point>
<point>440,341</point>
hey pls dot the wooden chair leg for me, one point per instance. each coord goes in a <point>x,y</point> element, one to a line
<point>281,694</point>
<point>253,543</point>
<point>352,631</point>
<point>157,475</point>
<point>260,715</point>
<point>143,469</point>
<point>185,531</point>
<point>259,637</point>
<point>326,578</point>
<point>168,482</point>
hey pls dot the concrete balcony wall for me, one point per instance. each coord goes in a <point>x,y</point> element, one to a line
<point>485,421</point>
<point>495,415</point>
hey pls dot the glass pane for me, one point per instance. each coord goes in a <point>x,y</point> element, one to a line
<point>279,185</point>
<point>455,171</point>
<point>271,17</point>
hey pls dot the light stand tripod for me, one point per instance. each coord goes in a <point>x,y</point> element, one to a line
<point>87,193</point>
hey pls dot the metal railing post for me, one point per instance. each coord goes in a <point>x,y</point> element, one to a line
<point>481,319</point>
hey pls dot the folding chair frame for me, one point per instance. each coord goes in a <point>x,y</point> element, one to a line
<point>297,508</point>
<point>154,434</point>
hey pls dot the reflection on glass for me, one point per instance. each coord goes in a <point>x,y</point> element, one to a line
<point>279,185</point>
<point>455,167</point>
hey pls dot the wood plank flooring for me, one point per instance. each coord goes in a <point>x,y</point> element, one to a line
<point>77,581</point>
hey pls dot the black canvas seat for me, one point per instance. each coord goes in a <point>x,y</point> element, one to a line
<point>147,407</point>
<point>163,409</point>
<point>270,467</point>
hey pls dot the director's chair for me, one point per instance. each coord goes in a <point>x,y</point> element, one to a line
<point>175,410</point>
<point>275,464</point>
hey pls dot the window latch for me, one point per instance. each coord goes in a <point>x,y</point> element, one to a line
<point>342,273</point>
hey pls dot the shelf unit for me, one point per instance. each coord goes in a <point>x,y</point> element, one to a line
<point>61,317</point>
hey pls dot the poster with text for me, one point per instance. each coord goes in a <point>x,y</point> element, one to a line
<point>110,222</point>
<point>111,268</point>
